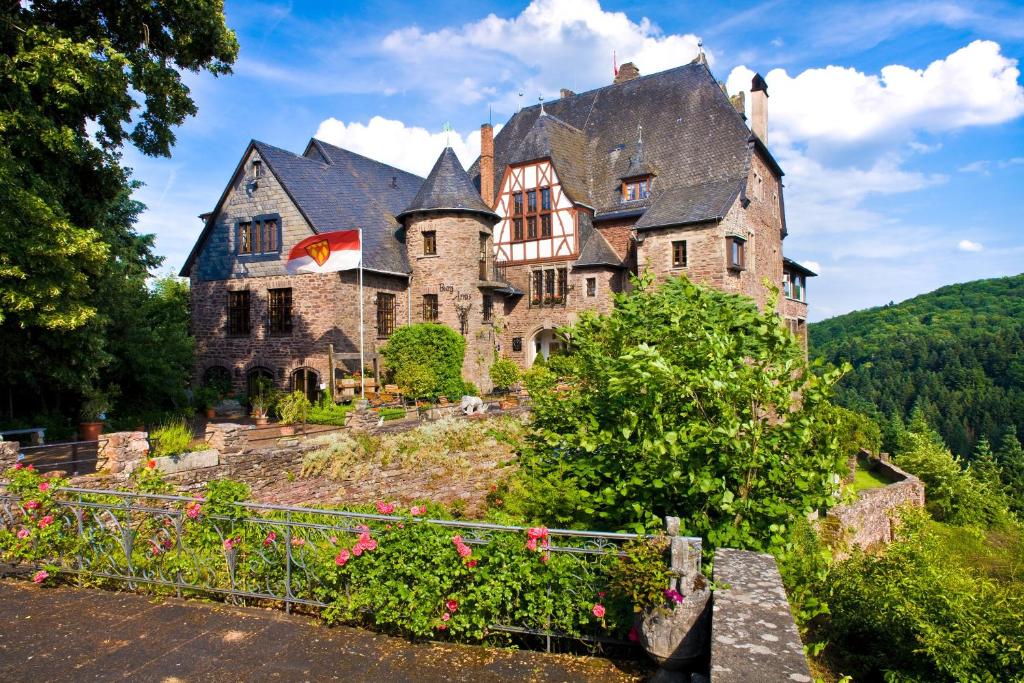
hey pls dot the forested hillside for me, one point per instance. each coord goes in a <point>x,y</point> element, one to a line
<point>955,354</point>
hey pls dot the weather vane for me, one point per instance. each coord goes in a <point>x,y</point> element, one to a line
<point>540,98</point>
<point>447,128</point>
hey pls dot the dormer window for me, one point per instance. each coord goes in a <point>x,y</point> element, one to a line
<point>636,188</point>
<point>257,169</point>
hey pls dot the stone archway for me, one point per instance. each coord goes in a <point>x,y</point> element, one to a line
<point>544,342</point>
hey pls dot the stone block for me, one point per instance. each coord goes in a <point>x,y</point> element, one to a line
<point>173,464</point>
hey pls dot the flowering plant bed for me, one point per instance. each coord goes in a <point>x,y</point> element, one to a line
<point>397,570</point>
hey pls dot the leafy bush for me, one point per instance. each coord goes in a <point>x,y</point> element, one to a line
<point>415,381</point>
<point>918,613</point>
<point>857,431</point>
<point>171,439</point>
<point>504,373</point>
<point>293,408</point>
<point>953,494</point>
<point>434,347</point>
<point>691,402</point>
<point>327,412</point>
<point>392,413</point>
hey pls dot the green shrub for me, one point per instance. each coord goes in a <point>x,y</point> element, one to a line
<point>504,373</point>
<point>327,412</point>
<point>392,413</point>
<point>415,381</point>
<point>171,439</point>
<point>437,348</point>
<point>294,408</point>
<point>469,389</point>
<point>917,613</point>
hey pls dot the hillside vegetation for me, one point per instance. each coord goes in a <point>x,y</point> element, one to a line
<point>955,354</point>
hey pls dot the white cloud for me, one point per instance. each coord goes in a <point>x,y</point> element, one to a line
<point>410,148</point>
<point>976,85</point>
<point>813,265</point>
<point>985,166</point>
<point>968,245</point>
<point>551,44</point>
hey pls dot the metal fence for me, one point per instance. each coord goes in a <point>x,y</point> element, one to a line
<point>138,539</point>
<point>73,457</point>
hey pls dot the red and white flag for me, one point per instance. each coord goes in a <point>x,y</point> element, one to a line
<point>327,252</point>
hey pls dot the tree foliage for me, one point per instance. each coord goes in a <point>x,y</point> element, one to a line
<point>78,80</point>
<point>691,402</point>
<point>437,349</point>
<point>957,354</point>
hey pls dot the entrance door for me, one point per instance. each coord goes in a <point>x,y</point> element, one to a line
<point>545,343</point>
<point>308,382</point>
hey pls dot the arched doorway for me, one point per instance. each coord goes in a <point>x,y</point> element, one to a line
<point>255,376</point>
<point>308,382</point>
<point>545,343</point>
<point>218,378</point>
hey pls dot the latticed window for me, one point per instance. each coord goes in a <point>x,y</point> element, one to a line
<point>488,307</point>
<point>429,307</point>
<point>517,203</point>
<point>430,243</point>
<point>563,284</point>
<point>238,312</point>
<point>517,229</point>
<point>531,228</point>
<point>531,201</point>
<point>537,293</point>
<point>679,254</point>
<point>545,225</point>
<point>385,315</point>
<point>245,238</point>
<point>270,236</point>
<point>636,188</point>
<point>591,286</point>
<point>549,284</point>
<point>279,309</point>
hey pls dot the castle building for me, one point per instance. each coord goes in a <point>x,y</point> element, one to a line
<point>657,173</point>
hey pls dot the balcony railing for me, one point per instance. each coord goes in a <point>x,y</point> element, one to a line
<point>490,271</point>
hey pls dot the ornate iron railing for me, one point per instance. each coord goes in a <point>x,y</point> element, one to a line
<point>146,539</point>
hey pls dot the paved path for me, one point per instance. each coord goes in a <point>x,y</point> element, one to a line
<point>73,634</point>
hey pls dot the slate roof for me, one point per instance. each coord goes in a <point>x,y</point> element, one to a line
<point>447,188</point>
<point>693,139</point>
<point>336,189</point>
<point>594,249</point>
<point>790,264</point>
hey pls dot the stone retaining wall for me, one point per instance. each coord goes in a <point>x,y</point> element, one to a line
<point>119,450</point>
<point>8,454</point>
<point>753,635</point>
<point>868,521</point>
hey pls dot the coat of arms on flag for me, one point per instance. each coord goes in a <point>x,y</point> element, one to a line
<point>326,253</point>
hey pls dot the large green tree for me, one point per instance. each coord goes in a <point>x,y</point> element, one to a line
<point>79,80</point>
<point>685,401</point>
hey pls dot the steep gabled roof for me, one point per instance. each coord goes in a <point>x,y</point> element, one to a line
<point>335,189</point>
<point>447,188</point>
<point>594,249</point>
<point>693,139</point>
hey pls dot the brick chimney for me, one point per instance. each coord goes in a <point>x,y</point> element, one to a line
<point>759,108</point>
<point>739,103</point>
<point>487,164</point>
<point>627,72</point>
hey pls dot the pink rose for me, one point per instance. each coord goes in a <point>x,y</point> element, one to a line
<point>32,505</point>
<point>167,544</point>
<point>385,508</point>
<point>401,526</point>
<point>155,550</point>
<point>18,465</point>
<point>357,549</point>
<point>417,510</point>
<point>41,575</point>
<point>342,557</point>
<point>31,468</point>
<point>192,510</point>
<point>634,635</point>
<point>269,540</point>
<point>44,486</point>
<point>465,551</point>
<point>333,540</point>
<point>674,595</point>
<point>545,558</point>
<point>598,611</point>
<point>442,627</point>
<point>151,464</point>
<point>452,605</point>
<point>24,533</point>
<point>46,521</point>
<point>471,563</point>
<point>298,542</point>
<point>531,544</point>
<point>445,616</point>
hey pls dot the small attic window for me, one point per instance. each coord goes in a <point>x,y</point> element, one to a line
<point>636,188</point>
<point>257,169</point>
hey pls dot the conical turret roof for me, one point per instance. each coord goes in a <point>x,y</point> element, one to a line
<point>448,188</point>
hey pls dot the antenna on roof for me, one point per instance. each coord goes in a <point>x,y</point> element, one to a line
<point>701,57</point>
<point>540,98</point>
<point>519,106</point>
<point>447,128</point>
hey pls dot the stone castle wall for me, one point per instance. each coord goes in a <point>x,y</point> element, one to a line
<point>869,521</point>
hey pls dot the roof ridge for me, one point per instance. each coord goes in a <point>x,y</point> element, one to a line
<point>363,156</point>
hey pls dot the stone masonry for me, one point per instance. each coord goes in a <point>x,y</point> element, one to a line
<point>869,521</point>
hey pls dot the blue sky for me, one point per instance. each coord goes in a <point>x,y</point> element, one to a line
<point>900,125</point>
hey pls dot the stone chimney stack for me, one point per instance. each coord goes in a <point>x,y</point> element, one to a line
<point>487,164</point>
<point>759,108</point>
<point>565,92</point>
<point>739,103</point>
<point>627,72</point>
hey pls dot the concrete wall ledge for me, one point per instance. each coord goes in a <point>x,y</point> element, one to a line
<point>753,636</point>
<point>172,464</point>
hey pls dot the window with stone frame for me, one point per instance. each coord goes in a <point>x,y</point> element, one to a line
<point>385,315</point>
<point>238,313</point>
<point>429,308</point>
<point>245,245</point>
<point>279,310</point>
<point>430,243</point>
<point>679,254</point>
<point>591,286</point>
<point>536,287</point>
<point>549,286</point>
<point>488,308</point>
<point>735,248</point>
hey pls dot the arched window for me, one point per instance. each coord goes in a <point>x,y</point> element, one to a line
<point>308,382</point>
<point>218,378</point>
<point>255,375</point>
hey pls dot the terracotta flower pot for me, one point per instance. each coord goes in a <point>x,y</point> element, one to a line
<point>90,431</point>
<point>287,430</point>
<point>261,420</point>
<point>211,413</point>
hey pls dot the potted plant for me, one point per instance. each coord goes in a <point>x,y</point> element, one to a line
<point>206,398</point>
<point>293,408</point>
<point>93,413</point>
<point>504,375</point>
<point>261,400</point>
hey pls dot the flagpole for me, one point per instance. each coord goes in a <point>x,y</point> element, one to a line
<point>362,364</point>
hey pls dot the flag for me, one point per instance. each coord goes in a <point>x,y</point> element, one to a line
<point>327,252</point>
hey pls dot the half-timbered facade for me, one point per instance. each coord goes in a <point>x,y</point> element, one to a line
<point>571,197</point>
